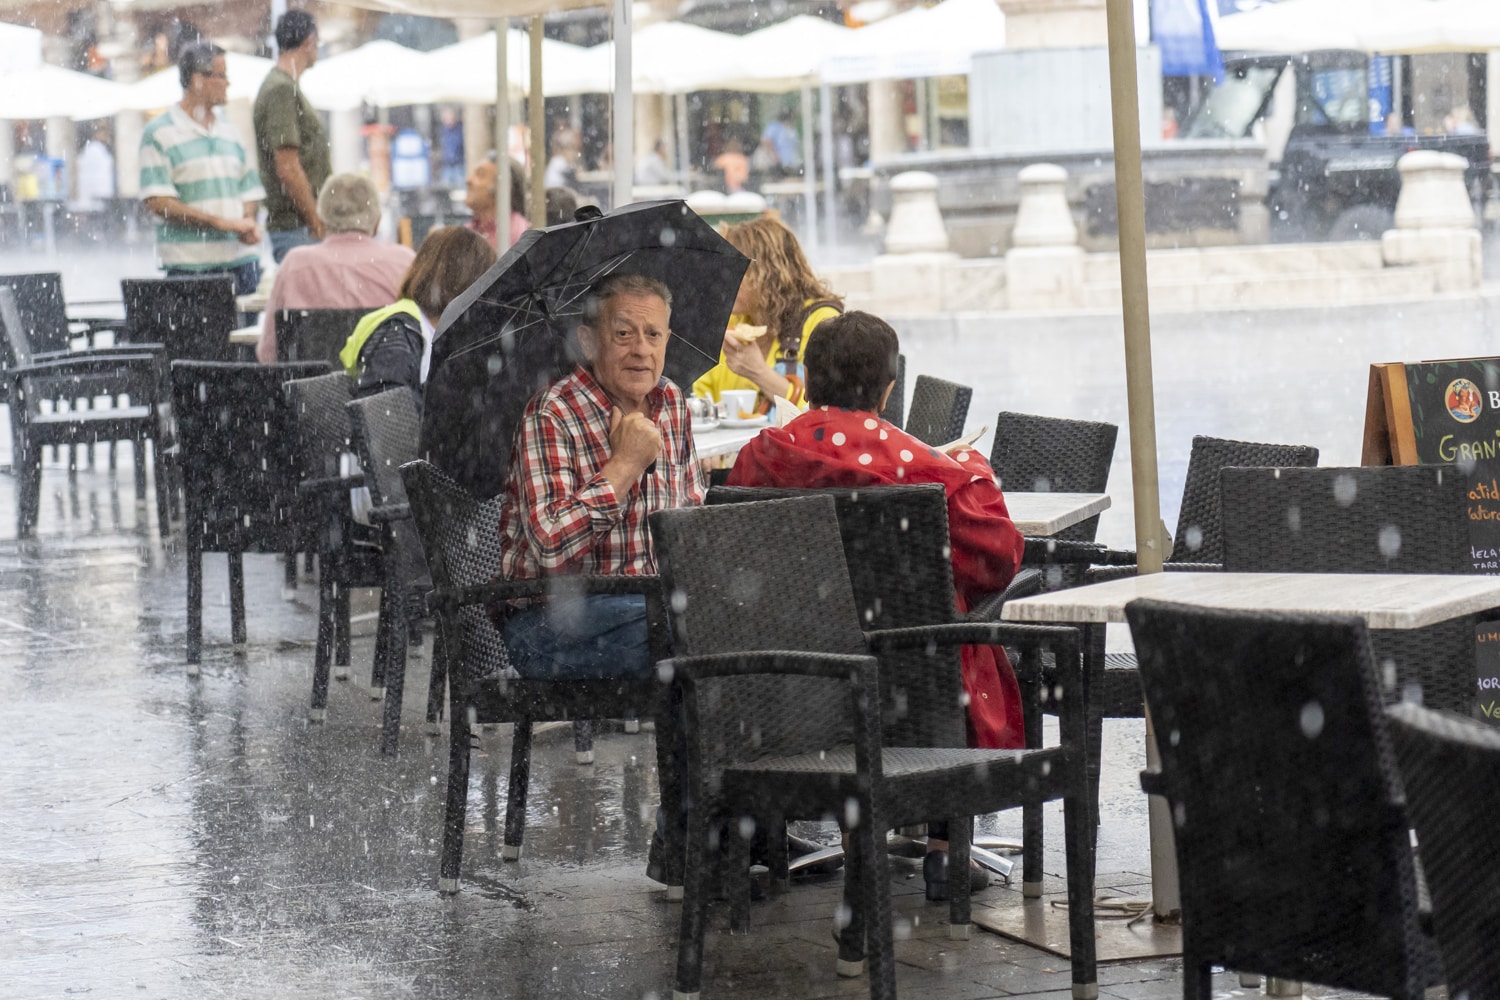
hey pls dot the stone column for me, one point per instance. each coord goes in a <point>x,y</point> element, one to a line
<point>1435,221</point>
<point>479,137</point>
<point>128,124</point>
<point>345,147</point>
<point>1044,268</point>
<point>908,277</point>
<point>887,124</point>
<point>653,123</point>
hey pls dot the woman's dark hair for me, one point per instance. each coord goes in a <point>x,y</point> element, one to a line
<point>196,58</point>
<point>451,259</point>
<point>850,360</point>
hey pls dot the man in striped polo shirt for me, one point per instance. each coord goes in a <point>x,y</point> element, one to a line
<point>197,176</point>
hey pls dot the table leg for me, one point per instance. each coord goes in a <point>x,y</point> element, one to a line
<point>1166,896</point>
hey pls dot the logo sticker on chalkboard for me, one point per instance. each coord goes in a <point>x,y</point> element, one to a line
<point>1463,401</point>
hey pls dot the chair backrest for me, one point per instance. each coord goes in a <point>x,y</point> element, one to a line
<point>192,316</point>
<point>16,345</point>
<point>734,590</point>
<point>42,311</point>
<point>314,334</point>
<point>1280,780</point>
<point>320,407</point>
<point>239,445</point>
<point>1200,521</point>
<point>385,428</point>
<point>1450,767</point>
<point>1373,519</point>
<point>460,535</point>
<point>1035,454</point>
<point>895,543</point>
<point>895,406</point>
<point>938,410</point>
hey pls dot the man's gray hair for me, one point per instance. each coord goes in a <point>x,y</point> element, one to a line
<point>349,203</point>
<point>197,57</point>
<point>621,284</point>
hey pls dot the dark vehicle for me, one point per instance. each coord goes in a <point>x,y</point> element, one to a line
<point>1337,179</point>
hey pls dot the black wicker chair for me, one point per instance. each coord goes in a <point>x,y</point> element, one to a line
<point>44,313</point>
<point>894,538</point>
<point>1451,770</point>
<point>314,334</point>
<point>238,437</point>
<point>782,722</point>
<point>938,410</point>
<point>1375,519</point>
<point>348,553</point>
<point>1292,845</point>
<point>895,406</point>
<point>1035,454</point>
<point>385,428</point>
<point>191,315</point>
<point>461,541</point>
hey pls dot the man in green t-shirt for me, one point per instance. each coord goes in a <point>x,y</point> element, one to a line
<point>290,139</point>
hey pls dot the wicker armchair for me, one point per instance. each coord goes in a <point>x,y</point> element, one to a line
<point>314,334</point>
<point>782,722</point>
<point>44,313</point>
<point>1450,765</point>
<point>1292,845</point>
<point>938,410</point>
<point>191,315</point>
<point>895,404</point>
<point>1376,519</point>
<point>238,437</point>
<point>461,541</point>
<point>385,428</point>
<point>1035,454</point>
<point>348,553</point>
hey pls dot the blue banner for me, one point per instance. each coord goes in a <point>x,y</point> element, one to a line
<point>1184,33</point>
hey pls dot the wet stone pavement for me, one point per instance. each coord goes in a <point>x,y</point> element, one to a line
<point>167,837</point>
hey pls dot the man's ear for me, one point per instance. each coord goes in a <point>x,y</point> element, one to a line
<point>588,341</point>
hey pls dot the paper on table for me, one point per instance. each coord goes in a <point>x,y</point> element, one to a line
<point>965,441</point>
<point>786,410</point>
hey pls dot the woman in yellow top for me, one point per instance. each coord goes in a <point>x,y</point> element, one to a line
<point>781,293</point>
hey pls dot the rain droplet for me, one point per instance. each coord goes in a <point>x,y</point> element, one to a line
<point>1345,489</point>
<point>1193,538</point>
<point>1311,720</point>
<point>668,236</point>
<point>851,813</point>
<point>1390,541</point>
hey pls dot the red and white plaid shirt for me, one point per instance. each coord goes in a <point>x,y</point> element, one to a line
<point>559,514</point>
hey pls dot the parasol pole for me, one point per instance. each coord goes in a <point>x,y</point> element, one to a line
<point>624,107</point>
<point>809,170</point>
<point>537,108</point>
<point>502,134</point>
<point>830,195</point>
<point>1131,205</point>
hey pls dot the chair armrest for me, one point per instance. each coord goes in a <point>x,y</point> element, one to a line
<point>390,513</point>
<point>93,324</point>
<point>1154,783</point>
<point>973,633</point>
<point>82,364</point>
<point>792,663</point>
<point>111,350</point>
<point>987,609</point>
<point>1100,574</point>
<point>332,484</point>
<point>451,599</point>
<point>1060,550</point>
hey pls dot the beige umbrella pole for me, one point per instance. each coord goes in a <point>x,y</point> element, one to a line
<point>1131,207</point>
<point>502,134</point>
<point>537,107</point>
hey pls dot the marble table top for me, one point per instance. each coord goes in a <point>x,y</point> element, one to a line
<point>1037,515</point>
<point>245,335</point>
<point>1385,601</point>
<point>723,440</point>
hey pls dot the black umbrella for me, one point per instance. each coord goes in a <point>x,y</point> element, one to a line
<point>513,331</point>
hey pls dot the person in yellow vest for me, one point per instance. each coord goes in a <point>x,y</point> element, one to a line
<point>780,302</point>
<point>392,346</point>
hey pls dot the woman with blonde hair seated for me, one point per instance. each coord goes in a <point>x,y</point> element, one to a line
<point>780,302</point>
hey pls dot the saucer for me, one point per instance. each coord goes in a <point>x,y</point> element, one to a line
<point>756,421</point>
<point>705,425</point>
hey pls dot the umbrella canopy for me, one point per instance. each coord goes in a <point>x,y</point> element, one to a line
<point>673,57</point>
<point>46,91</point>
<point>382,73</point>
<point>784,56</point>
<point>513,332</point>
<point>466,71</point>
<point>922,42</point>
<point>1392,27</point>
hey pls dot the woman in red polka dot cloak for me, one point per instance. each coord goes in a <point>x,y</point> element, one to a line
<point>850,362</point>
<point>841,441</point>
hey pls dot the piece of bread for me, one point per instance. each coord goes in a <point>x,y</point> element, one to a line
<point>745,333</point>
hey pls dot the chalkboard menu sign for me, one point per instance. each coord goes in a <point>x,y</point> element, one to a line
<point>1448,413</point>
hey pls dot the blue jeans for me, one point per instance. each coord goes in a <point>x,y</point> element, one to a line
<point>286,240</point>
<point>579,639</point>
<point>246,276</point>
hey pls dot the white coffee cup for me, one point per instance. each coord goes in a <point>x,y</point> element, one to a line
<point>738,401</point>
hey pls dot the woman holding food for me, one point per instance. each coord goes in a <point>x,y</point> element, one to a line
<point>780,302</point>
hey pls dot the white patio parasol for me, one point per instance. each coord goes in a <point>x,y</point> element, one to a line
<point>1392,27</point>
<point>467,71</point>
<point>246,73</point>
<point>379,72</point>
<point>922,42</point>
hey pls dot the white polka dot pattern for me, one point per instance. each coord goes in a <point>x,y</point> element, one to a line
<point>871,423</point>
<point>838,437</point>
<point>906,455</point>
<point>866,459</point>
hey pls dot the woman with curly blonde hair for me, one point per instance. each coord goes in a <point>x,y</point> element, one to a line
<point>782,296</point>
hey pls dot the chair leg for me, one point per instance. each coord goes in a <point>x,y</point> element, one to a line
<point>694,909</point>
<point>1197,977</point>
<point>384,627</point>
<point>458,799</point>
<point>1032,816</point>
<point>395,678</point>
<point>852,936</point>
<point>437,680</point>
<point>520,781</point>
<point>583,741</point>
<point>776,858</point>
<point>289,580</point>
<point>341,622</point>
<point>1079,847</point>
<point>237,597</point>
<point>28,468</point>
<point>163,488</point>
<point>323,651</point>
<point>880,944</point>
<point>194,594</point>
<point>138,453</point>
<point>737,874</point>
<point>960,836</point>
